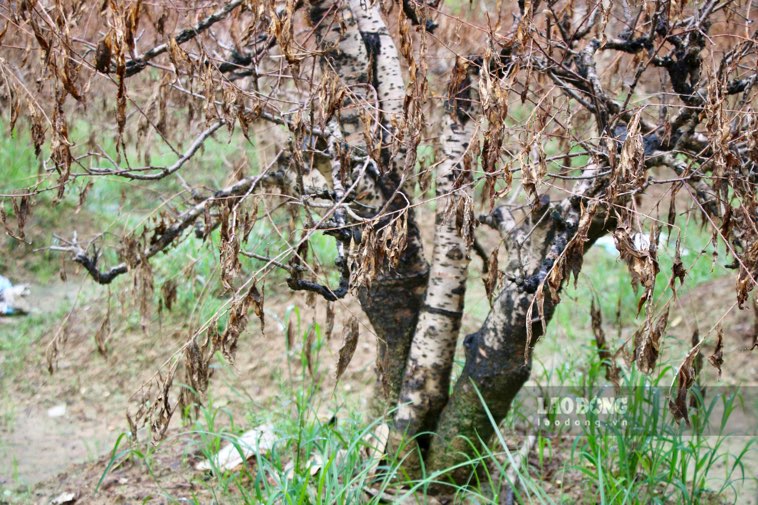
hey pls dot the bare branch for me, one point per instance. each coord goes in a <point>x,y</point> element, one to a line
<point>137,65</point>
<point>132,173</point>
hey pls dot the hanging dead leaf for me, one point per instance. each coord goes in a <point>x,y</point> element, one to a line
<point>493,277</point>
<point>83,196</point>
<point>677,269</point>
<point>309,341</point>
<point>685,377</point>
<point>349,345</point>
<point>197,372</point>
<point>329,320</point>
<point>290,335</point>
<point>641,258</point>
<point>22,210</point>
<point>103,332</point>
<point>647,342</point>
<point>103,56</point>
<point>612,372</point>
<point>168,293</point>
<point>697,367</point>
<point>717,358</point>
<point>256,300</point>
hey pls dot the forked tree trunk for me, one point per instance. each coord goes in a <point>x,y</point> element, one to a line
<point>417,314</point>
<point>499,355</point>
<point>394,299</point>
<point>496,368</point>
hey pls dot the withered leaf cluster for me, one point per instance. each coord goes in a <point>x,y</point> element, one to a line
<point>556,122</point>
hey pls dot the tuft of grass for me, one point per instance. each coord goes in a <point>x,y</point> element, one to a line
<point>319,456</point>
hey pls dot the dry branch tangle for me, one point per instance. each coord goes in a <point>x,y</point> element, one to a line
<point>346,92</point>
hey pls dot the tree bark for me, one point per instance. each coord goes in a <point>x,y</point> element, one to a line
<point>496,368</point>
<point>427,374</point>
<point>498,356</point>
<point>361,50</point>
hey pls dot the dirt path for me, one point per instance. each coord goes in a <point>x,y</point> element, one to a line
<point>75,416</point>
<point>43,415</point>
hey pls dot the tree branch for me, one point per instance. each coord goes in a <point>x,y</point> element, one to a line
<point>137,65</point>
<point>166,238</point>
<point>162,171</point>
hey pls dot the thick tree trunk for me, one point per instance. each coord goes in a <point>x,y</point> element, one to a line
<point>392,304</point>
<point>498,356</point>
<point>427,373</point>
<point>496,368</point>
<point>360,49</point>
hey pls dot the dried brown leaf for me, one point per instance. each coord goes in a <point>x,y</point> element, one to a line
<point>717,358</point>
<point>641,261</point>
<point>697,367</point>
<point>349,345</point>
<point>104,331</point>
<point>168,293</point>
<point>329,320</point>
<point>255,299</point>
<point>677,269</point>
<point>685,379</point>
<point>309,341</point>
<point>83,196</point>
<point>493,276</point>
<point>612,372</point>
<point>290,335</point>
<point>103,55</point>
<point>647,342</point>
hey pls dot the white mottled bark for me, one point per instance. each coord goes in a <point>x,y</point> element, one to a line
<point>390,84</point>
<point>358,47</point>
<point>346,57</point>
<point>427,375</point>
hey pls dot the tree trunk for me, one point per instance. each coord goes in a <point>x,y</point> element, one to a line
<point>498,356</point>
<point>392,304</point>
<point>496,368</point>
<point>427,374</point>
<point>360,49</point>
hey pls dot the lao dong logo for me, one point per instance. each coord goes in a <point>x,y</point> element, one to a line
<point>571,411</point>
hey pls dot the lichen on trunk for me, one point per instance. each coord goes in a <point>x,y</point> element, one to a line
<point>498,355</point>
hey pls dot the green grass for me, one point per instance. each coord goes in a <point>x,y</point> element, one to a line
<point>320,458</point>
<point>651,458</point>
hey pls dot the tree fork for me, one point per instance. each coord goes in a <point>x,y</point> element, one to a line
<point>498,355</point>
